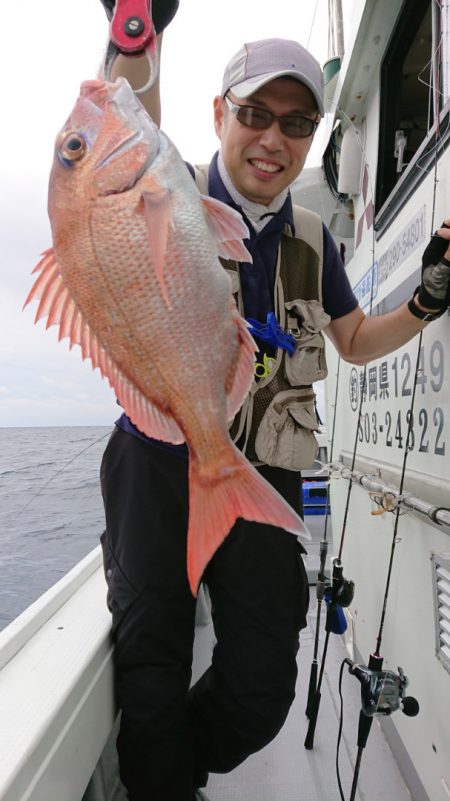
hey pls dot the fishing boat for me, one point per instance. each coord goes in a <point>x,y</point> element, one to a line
<point>386,162</point>
<point>382,188</point>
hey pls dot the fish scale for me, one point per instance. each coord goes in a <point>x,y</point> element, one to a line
<point>134,278</point>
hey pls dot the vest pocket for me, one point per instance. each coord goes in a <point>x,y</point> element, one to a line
<point>305,321</point>
<point>285,437</point>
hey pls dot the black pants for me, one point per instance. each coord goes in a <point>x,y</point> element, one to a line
<point>172,736</point>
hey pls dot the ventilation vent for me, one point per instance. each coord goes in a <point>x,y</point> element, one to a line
<point>441,581</point>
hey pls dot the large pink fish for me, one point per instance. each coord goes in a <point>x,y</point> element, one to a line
<point>134,278</point>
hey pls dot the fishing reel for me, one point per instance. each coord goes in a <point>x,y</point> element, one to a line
<point>382,691</point>
<point>341,590</point>
<point>338,594</point>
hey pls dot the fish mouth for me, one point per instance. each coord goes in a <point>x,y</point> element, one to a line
<point>139,128</point>
<point>101,93</point>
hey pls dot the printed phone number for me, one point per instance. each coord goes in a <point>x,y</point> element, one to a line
<point>407,241</point>
<point>425,430</point>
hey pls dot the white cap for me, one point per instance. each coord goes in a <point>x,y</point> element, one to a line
<point>258,63</point>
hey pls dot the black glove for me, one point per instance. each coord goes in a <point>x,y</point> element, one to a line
<point>163,12</point>
<point>434,290</point>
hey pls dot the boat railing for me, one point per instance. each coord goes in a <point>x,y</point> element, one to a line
<point>388,497</point>
<point>56,689</point>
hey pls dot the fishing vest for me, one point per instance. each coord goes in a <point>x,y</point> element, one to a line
<point>277,421</point>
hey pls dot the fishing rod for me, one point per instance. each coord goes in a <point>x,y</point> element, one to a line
<point>321,582</point>
<point>340,594</point>
<point>382,692</point>
<point>56,474</point>
<point>335,620</point>
<point>322,588</point>
<point>314,690</point>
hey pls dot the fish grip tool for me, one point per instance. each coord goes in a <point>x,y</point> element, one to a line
<point>131,29</point>
<point>132,33</point>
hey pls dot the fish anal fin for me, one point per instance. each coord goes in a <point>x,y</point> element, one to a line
<point>214,507</point>
<point>146,416</point>
<point>158,216</point>
<point>227,228</point>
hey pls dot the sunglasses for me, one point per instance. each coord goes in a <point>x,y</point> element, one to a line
<point>292,125</point>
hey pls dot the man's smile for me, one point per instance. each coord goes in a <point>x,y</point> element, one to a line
<point>265,166</point>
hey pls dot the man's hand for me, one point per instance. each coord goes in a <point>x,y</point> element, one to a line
<point>434,290</point>
<point>163,12</point>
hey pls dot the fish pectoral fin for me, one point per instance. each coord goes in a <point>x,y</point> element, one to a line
<point>227,228</point>
<point>158,217</point>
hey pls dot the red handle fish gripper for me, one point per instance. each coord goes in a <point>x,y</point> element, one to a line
<point>132,27</point>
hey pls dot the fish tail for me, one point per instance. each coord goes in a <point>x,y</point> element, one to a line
<point>214,506</point>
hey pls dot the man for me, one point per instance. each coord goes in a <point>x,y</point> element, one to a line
<point>172,736</point>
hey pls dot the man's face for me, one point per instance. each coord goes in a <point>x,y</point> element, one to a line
<point>261,163</point>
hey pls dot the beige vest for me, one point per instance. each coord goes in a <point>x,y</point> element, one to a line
<point>276,424</point>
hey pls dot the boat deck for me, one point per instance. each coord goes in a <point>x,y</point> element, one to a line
<point>59,729</point>
<point>285,770</point>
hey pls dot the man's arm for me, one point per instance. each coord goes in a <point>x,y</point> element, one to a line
<point>135,69</point>
<point>359,339</point>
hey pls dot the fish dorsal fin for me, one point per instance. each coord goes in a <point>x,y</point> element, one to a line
<point>56,303</point>
<point>227,228</point>
<point>241,375</point>
<point>158,216</point>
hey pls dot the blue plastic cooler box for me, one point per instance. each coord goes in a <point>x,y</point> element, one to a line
<point>315,498</point>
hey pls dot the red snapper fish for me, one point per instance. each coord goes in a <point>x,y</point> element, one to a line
<point>134,279</point>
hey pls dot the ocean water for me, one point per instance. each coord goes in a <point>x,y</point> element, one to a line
<point>51,512</point>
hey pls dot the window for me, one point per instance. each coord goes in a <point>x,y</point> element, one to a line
<point>410,104</point>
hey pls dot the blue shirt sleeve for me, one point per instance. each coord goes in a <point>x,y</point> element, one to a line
<point>338,297</point>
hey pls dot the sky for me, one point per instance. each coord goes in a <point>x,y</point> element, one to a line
<point>57,45</point>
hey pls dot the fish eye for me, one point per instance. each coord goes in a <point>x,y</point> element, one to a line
<point>73,146</point>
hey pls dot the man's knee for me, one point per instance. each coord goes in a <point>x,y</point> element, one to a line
<point>234,721</point>
<point>267,712</point>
